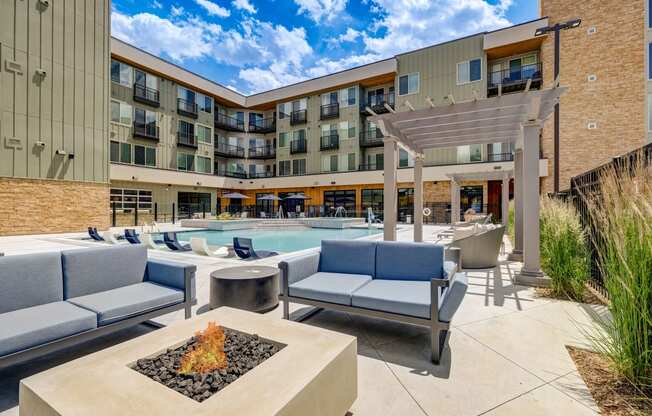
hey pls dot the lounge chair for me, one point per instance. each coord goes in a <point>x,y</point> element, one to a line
<point>110,237</point>
<point>244,214</point>
<point>200,246</point>
<point>170,240</point>
<point>481,249</point>
<point>131,236</point>
<point>149,241</point>
<point>92,232</point>
<point>244,248</point>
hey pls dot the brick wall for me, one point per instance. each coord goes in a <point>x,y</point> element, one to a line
<point>615,54</point>
<point>30,206</point>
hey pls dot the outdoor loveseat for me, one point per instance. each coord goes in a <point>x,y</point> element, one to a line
<point>50,301</point>
<point>400,281</point>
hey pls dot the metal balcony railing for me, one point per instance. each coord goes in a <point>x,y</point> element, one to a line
<point>298,146</point>
<point>515,79</point>
<point>262,125</point>
<point>228,150</point>
<point>226,122</point>
<point>370,166</point>
<point>262,152</point>
<point>328,111</point>
<point>371,138</point>
<point>186,139</point>
<point>377,103</point>
<point>298,117</point>
<point>330,142</point>
<point>146,130</point>
<point>186,108</point>
<point>146,95</point>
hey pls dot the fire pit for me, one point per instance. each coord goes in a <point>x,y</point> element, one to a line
<point>208,362</point>
<point>286,369</point>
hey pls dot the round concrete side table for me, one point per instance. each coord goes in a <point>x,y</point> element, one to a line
<point>252,288</point>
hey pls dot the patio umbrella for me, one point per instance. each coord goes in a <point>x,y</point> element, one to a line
<point>235,195</point>
<point>297,197</point>
<point>269,197</point>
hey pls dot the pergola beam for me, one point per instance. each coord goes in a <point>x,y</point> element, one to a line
<point>487,127</point>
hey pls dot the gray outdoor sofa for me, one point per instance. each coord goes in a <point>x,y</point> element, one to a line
<point>399,281</point>
<point>50,301</point>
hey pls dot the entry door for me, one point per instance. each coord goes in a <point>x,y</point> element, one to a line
<point>515,69</point>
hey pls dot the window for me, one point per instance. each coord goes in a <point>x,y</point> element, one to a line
<point>186,95</point>
<point>282,139</point>
<point>283,110</point>
<point>469,71</point>
<point>468,154</point>
<point>121,73</point>
<point>329,98</point>
<point>299,135</point>
<point>329,163</point>
<point>408,84</point>
<point>299,167</point>
<point>186,133</point>
<point>649,61</point>
<point>204,134</point>
<point>186,161</point>
<point>144,156</point>
<point>128,199</point>
<point>284,168</point>
<point>404,159</point>
<point>114,151</point>
<point>333,200</point>
<point>125,153</point>
<point>351,161</point>
<point>120,112</point>
<point>649,112</point>
<point>204,103</point>
<point>203,164</point>
<point>348,96</point>
<point>347,129</point>
<point>146,80</point>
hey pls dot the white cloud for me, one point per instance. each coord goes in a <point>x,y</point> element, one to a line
<point>327,66</point>
<point>156,5</point>
<point>321,9</point>
<point>351,35</point>
<point>411,24</point>
<point>213,9</point>
<point>176,11</point>
<point>244,5</point>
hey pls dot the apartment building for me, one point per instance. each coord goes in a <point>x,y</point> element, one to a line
<point>54,106</point>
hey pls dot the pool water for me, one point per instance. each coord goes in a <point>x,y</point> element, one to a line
<point>279,239</point>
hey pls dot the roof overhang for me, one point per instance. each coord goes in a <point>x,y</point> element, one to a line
<point>514,40</point>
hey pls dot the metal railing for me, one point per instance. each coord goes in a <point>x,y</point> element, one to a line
<point>229,150</point>
<point>516,77</point>
<point>330,142</point>
<point>146,95</point>
<point>328,111</point>
<point>500,157</point>
<point>186,108</point>
<point>226,122</point>
<point>298,146</point>
<point>370,166</point>
<point>298,117</point>
<point>231,173</point>
<point>146,130</point>
<point>186,139</point>
<point>262,152</point>
<point>377,103</point>
<point>371,138</point>
<point>262,125</point>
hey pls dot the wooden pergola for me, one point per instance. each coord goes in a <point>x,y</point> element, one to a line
<point>515,118</point>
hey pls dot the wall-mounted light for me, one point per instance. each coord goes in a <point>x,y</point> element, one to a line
<point>60,152</point>
<point>71,156</point>
<point>134,178</point>
<point>198,183</point>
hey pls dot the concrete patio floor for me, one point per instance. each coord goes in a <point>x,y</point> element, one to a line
<point>507,352</point>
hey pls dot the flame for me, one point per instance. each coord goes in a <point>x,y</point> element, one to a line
<point>208,355</point>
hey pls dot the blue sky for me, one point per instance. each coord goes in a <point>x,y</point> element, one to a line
<point>257,45</point>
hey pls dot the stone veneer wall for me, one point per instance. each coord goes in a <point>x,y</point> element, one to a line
<point>33,206</point>
<point>615,54</point>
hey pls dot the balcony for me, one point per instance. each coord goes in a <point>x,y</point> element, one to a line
<point>262,125</point>
<point>225,122</point>
<point>298,146</point>
<point>298,117</point>
<point>261,175</point>
<point>148,131</point>
<point>186,139</point>
<point>330,142</point>
<point>371,138</point>
<point>146,95</point>
<point>329,111</point>
<point>228,150</point>
<point>370,166</point>
<point>231,173</point>
<point>514,79</point>
<point>186,108</point>
<point>500,157</point>
<point>377,104</point>
<point>262,152</point>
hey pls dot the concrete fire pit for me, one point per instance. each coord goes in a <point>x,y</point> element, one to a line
<point>314,374</point>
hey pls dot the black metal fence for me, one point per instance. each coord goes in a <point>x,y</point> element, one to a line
<point>586,187</point>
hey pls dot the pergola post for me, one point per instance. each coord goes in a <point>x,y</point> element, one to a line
<point>418,198</point>
<point>390,148</point>
<point>531,273</point>
<point>505,202</point>
<point>517,250</point>
<point>455,201</point>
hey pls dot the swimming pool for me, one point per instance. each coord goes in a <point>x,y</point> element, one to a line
<point>278,239</point>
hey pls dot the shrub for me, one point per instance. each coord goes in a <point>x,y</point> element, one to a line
<point>564,254</point>
<point>622,213</point>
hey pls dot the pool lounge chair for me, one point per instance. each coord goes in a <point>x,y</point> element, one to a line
<point>244,248</point>
<point>170,240</point>
<point>149,241</point>
<point>109,237</point>
<point>131,236</point>
<point>92,232</point>
<point>200,246</point>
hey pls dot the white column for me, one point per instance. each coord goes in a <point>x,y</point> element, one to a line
<point>389,190</point>
<point>505,202</point>
<point>531,273</point>
<point>418,198</point>
<point>517,250</point>
<point>455,201</point>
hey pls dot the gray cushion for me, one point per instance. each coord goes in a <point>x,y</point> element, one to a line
<point>405,297</point>
<point>329,287</point>
<point>409,261</point>
<point>95,270</point>
<point>30,280</point>
<point>454,295</point>
<point>348,256</point>
<point>30,327</point>
<point>124,302</point>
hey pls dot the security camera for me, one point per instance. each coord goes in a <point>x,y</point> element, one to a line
<point>41,72</point>
<point>44,3</point>
<point>39,144</point>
